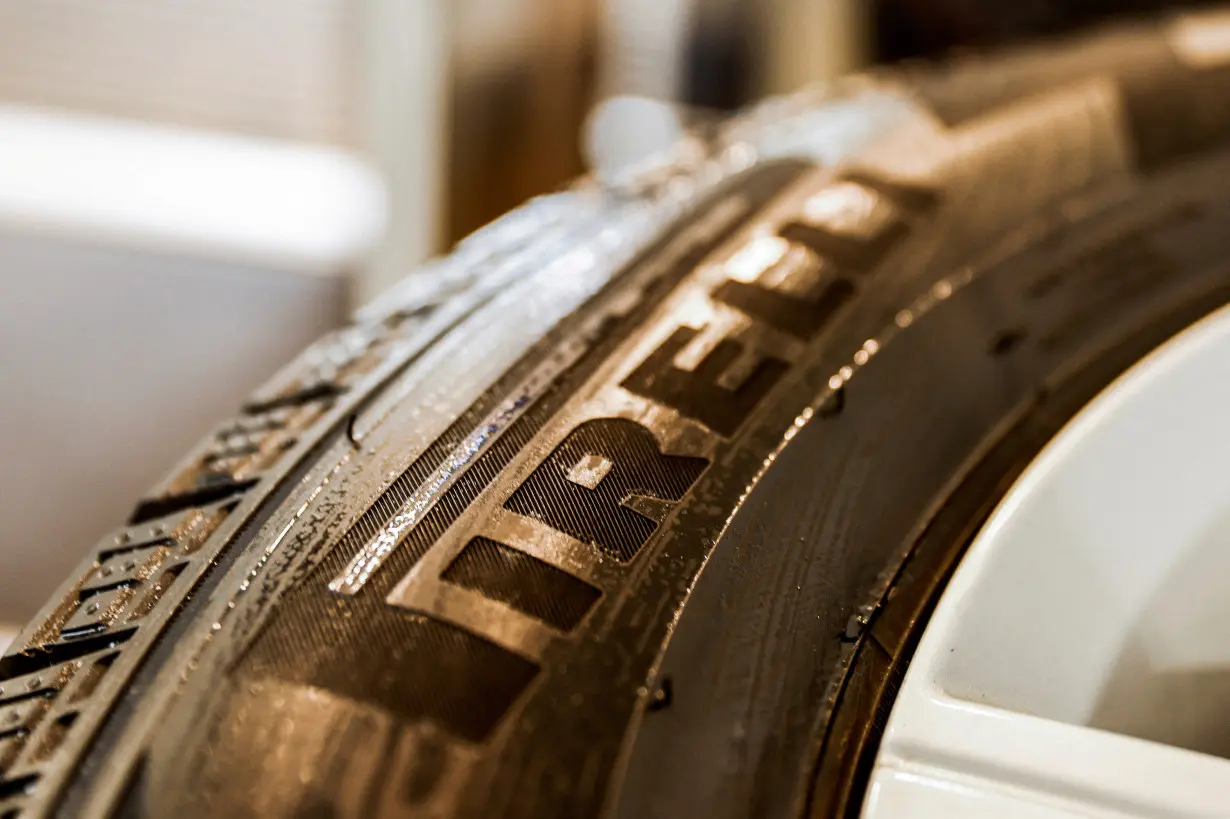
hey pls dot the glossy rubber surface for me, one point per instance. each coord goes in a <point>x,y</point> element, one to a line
<point>635,502</point>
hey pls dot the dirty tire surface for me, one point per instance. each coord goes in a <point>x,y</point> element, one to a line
<point>635,504</point>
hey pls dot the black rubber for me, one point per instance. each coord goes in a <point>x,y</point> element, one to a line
<point>672,561</point>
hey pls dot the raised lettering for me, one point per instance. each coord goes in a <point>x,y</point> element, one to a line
<point>801,318</point>
<point>600,514</point>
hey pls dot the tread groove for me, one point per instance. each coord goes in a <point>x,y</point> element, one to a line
<point>152,508</point>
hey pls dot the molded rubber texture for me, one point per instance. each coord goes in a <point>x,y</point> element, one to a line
<point>636,503</point>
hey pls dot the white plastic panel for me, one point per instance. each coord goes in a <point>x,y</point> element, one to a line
<point>284,205</point>
<point>1079,662</point>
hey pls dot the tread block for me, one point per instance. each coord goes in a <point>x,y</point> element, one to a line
<point>88,680</point>
<point>54,735</point>
<point>155,592</point>
<point>97,612</point>
<point>21,716</point>
<point>10,749</point>
<point>129,568</point>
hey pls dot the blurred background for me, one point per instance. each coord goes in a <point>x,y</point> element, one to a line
<point>192,190</point>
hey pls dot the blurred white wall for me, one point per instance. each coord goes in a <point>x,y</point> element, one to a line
<point>369,76</point>
<point>277,68</point>
<point>402,87</point>
<point>643,44</point>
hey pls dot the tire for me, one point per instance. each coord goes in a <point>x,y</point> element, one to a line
<point>637,503</point>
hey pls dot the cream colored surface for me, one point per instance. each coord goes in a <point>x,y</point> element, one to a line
<point>813,41</point>
<point>280,68</point>
<point>1079,662</point>
<point>284,205</point>
<point>404,108</point>
<point>1202,40</point>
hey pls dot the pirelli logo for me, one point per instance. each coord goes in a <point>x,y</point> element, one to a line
<point>578,504</point>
